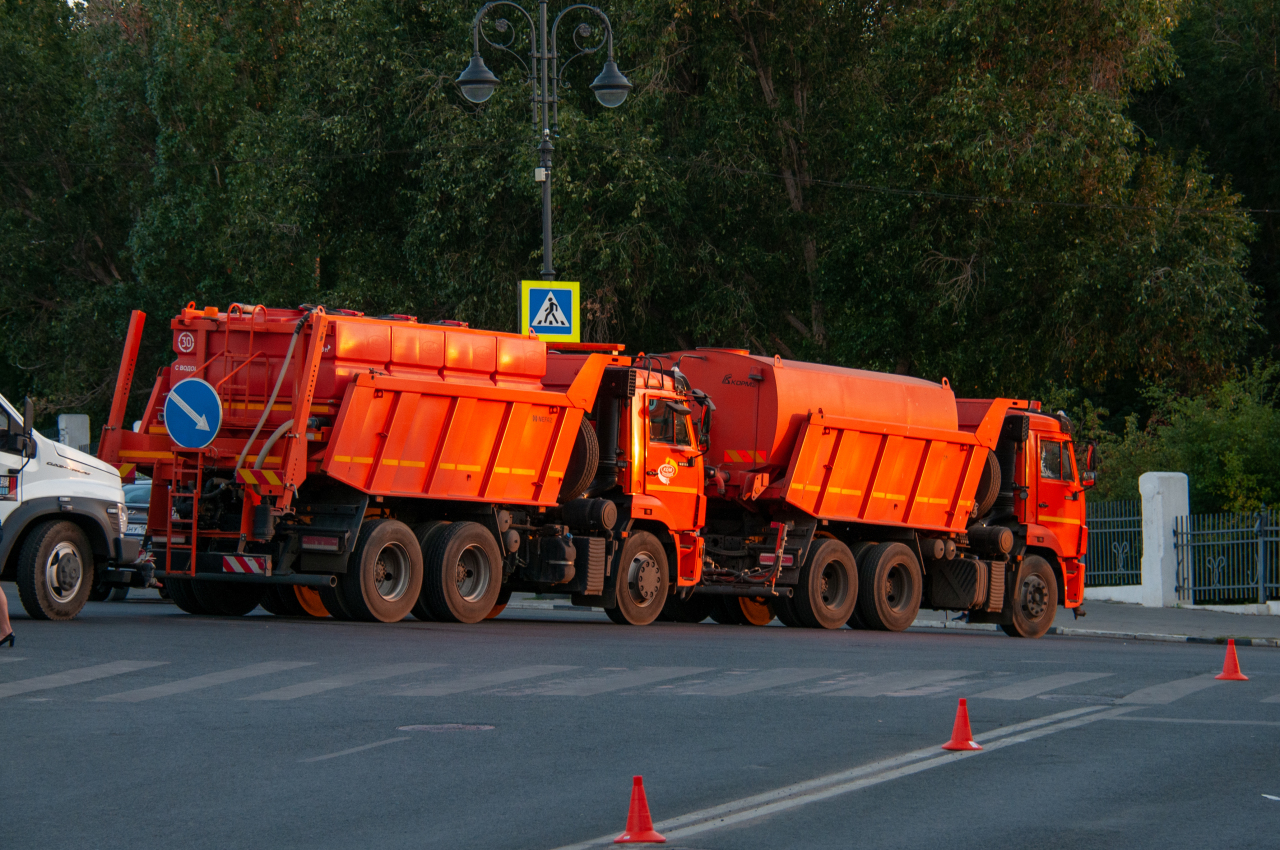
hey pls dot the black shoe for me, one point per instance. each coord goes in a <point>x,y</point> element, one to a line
<point>7,639</point>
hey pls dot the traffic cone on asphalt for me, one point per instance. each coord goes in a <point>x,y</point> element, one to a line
<point>639,823</point>
<point>1231,665</point>
<point>961,736</point>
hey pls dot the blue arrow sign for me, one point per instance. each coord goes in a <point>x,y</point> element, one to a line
<point>192,413</point>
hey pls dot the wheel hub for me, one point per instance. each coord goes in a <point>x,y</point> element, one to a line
<point>391,572</point>
<point>472,577</point>
<point>64,572</point>
<point>643,579</point>
<point>1035,597</point>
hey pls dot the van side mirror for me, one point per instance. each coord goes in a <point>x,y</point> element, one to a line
<point>1089,475</point>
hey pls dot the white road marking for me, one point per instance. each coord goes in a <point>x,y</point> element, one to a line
<point>1031,688</point>
<point>1275,698</point>
<point>815,790</point>
<point>745,683</point>
<point>208,680</point>
<point>1170,691</point>
<point>4,660</point>
<point>483,680</point>
<point>1197,720</point>
<point>75,677</point>
<point>317,686</point>
<point>616,681</point>
<point>1269,797</point>
<point>354,750</point>
<point>885,683</point>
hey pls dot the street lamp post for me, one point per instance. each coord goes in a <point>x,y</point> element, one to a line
<point>544,73</point>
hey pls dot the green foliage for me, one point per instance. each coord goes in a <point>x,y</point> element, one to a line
<point>1224,440</point>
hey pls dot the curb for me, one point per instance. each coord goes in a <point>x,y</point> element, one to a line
<point>1098,633</point>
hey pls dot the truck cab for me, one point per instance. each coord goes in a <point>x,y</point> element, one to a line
<point>1053,509</point>
<point>62,518</point>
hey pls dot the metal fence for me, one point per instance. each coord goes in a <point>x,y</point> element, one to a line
<point>1227,559</point>
<point>1114,558</point>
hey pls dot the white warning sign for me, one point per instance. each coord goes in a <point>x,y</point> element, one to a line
<point>550,310</point>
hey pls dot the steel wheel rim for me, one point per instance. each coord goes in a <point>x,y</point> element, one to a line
<point>1035,597</point>
<point>897,586</point>
<point>472,573</point>
<point>833,586</point>
<point>391,572</point>
<point>644,576</point>
<point>63,568</point>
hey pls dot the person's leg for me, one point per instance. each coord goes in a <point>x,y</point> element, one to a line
<point>5,628</point>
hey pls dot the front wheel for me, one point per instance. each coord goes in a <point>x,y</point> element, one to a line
<point>55,571</point>
<point>642,581</point>
<point>1035,593</point>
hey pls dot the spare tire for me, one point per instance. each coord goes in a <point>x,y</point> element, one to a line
<point>988,487</point>
<point>583,463</point>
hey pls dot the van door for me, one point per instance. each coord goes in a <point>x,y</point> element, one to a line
<point>10,465</point>
<point>1059,507</point>
<point>673,464</point>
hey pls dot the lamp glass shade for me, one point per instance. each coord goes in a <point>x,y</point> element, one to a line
<point>477,81</point>
<point>611,87</point>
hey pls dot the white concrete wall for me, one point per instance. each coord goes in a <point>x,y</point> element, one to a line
<point>1129,593</point>
<point>1165,496</point>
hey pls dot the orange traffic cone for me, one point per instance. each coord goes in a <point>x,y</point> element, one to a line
<point>639,823</point>
<point>961,736</point>
<point>1231,665</point>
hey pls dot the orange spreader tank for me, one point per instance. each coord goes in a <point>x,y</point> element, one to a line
<point>842,444</point>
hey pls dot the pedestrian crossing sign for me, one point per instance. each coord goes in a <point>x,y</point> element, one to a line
<point>550,309</point>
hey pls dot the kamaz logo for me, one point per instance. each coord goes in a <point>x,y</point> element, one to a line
<point>729,379</point>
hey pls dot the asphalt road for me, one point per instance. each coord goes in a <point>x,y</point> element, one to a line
<point>138,726</point>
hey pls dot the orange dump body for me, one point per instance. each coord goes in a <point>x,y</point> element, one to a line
<point>843,444</point>
<point>388,406</point>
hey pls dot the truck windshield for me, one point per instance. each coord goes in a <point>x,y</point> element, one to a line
<point>666,426</point>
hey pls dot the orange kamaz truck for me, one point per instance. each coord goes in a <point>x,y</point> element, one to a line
<point>329,463</point>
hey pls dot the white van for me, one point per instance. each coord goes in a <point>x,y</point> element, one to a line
<point>62,517</point>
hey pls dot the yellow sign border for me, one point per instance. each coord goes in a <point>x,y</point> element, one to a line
<point>573,287</point>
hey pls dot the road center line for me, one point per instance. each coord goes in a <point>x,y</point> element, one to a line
<point>355,750</point>
<point>802,793</point>
<point>1197,720</point>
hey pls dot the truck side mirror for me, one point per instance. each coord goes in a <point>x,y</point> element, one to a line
<point>1089,475</point>
<point>704,424</point>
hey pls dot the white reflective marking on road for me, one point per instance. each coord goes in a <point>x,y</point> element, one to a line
<point>1269,797</point>
<point>75,677</point>
<point>355,750</point>
<point>815,790</point>
<point>208,680</point>
<point>745,682</point>
<point>1275,698</point>
<point>615,681</point>
<point>329,683</point>
<point>1170,691</point>
<point>4,660</point>
<point>1031,688</point>
<point>483,680</point>
<point>885,683</point>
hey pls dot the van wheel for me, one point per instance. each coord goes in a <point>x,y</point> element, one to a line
<point>55,571</point>
<point>184,597</point>
<point>1035,592</point>
<point>891,588</point>
<point>426,533</point>
<point>463,574</point>
<point>828,586</point>
<point>384,574</point>
<point>227,598</point>
<point>642,581</point>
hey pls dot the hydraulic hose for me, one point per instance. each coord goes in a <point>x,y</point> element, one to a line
<point>271,441</point>
<point>266,411</point>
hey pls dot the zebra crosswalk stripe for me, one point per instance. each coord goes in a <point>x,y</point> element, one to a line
<point>208,680</point>
<point>483,680</point>
<point>1022,690</point>
<point>344,680</point>
<point>593,685</point>
<point>887,683</point>
<point>744,683</point>
<point>75,677</point>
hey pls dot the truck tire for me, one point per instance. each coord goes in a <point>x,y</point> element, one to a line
<point>727,612</point>
<point>1034,592</point>
<point>891,587</point>
<point>184,597</point>
<point>279,599</point>
<point>227,598</point>
<point>463,573</point>
<point>384,574</point>
<point>642,581</point>
<point>55,571</point>
<point>694,609</point>
<point>859,550</point>
<point>584,460</point>
<point>118,594</point>
<point>426,533</point>
<point>827,588</point>
<point>785,611</point>
<point>331,598</point>
<point>504,596</point>
<point>988,487</point>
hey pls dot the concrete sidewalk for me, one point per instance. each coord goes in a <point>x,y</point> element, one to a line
<point>1104,619</point>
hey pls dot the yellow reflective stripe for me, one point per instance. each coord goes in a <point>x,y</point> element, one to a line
<point>1061,519</point>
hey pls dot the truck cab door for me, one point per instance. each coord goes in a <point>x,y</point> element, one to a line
<point>673,464</point>
<point>1059,506</point>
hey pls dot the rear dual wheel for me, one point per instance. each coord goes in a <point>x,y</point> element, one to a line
<point>463,575</point>
<point>742,611</point>
<point>827,588</point>
<point>891,587</point>
<point>228,599</point>
<point>384,574</point>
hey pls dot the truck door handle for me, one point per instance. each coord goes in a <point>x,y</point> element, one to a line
<point>1044,504</point>
<point>652,472</point>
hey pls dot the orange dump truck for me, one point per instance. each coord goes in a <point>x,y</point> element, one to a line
<point>333,464</point>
